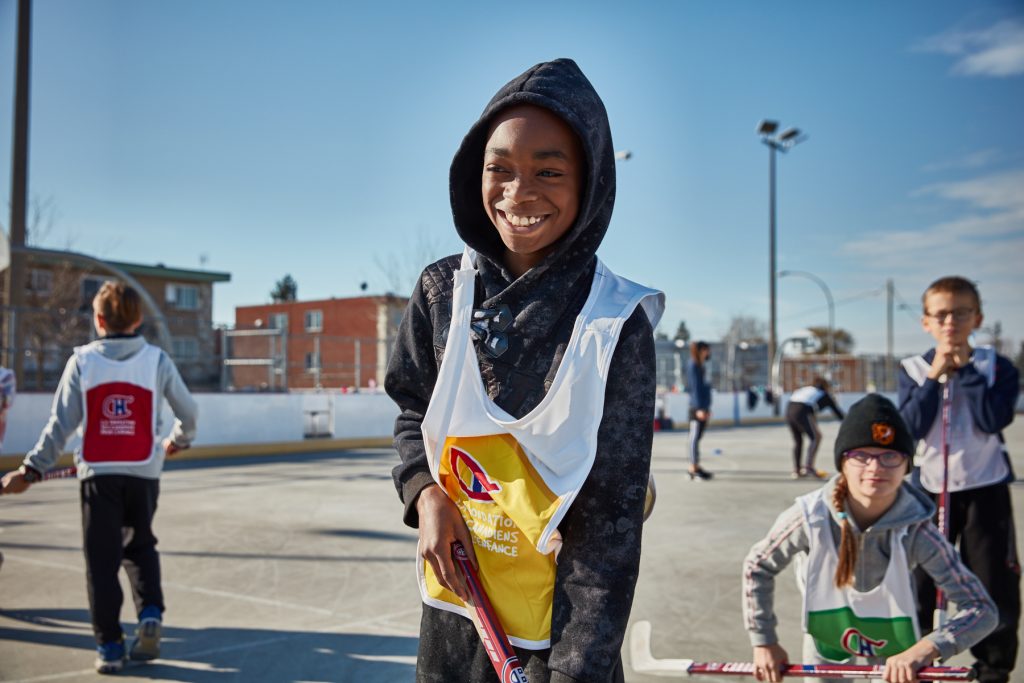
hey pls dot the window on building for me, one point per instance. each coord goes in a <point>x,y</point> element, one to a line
<point>312,361</point>
<point>40,282</point>
<point>314,321</point>
<point>185,348</point>
<point>183,297</point>
<point>90,286</point>
<point>278,321</point>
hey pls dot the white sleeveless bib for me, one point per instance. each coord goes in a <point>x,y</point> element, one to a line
<point>514,479</point>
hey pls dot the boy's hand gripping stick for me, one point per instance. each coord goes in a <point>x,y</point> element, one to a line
<point>60,473</point>
<point>492,635</point>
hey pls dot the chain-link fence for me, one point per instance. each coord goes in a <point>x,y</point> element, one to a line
<point>272,360</point>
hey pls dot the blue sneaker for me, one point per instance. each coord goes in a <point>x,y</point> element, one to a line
<point>110,657</point>
<point>146,645</point>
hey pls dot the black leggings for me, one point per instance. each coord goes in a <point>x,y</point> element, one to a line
<point>982,520</point>
<point>801,420</point>
<point>696,432</point>
<point>117,517</point>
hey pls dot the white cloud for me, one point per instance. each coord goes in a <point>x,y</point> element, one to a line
<point>994,51</point>
<point>995,191</point>
<point>972,160</point>
<point>983,241</point>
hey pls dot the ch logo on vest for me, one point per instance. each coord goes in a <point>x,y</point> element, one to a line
<point>118,416</point>
<point>857,643</point>
<point>115,406</point>
<point>472,477</point>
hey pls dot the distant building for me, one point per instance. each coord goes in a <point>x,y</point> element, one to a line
<point>58,316</point>
<point>852,373</point>
<point>330,343</point>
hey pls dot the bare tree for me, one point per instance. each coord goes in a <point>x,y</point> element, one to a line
<point>745,328</point>
<point>401,269</point>
<point>843,340</point>
<point>56,318</point>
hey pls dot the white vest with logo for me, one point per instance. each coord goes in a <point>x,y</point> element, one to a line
<point>514,479</point>
<point>119,401</point>
<point>845,622</point>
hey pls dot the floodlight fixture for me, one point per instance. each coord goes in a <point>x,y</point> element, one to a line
<point>767,127</point>
<point>624,155</point>
<point>789,134</point>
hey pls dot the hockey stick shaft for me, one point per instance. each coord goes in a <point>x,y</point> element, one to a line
<point>928,673</point>
<point>644,662</point>
<point>492,635</point>
<point>939,618</point>
<point>59,473</point>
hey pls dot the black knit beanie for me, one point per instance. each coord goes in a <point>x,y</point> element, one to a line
<point>873,421</point>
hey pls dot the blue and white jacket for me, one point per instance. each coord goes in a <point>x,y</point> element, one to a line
<point>983,396</point>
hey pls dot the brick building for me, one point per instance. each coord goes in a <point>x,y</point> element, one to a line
<point>58,315</point>
<point>330,343</point>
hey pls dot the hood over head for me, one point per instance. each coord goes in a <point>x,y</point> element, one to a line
<point>560,87</point>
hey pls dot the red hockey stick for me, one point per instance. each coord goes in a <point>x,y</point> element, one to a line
<point>939,617</point>
<point>59,473</point>
<point>644,662</point>
<point>503,657</point>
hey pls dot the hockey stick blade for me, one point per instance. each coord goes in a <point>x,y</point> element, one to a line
<point>644,662</point>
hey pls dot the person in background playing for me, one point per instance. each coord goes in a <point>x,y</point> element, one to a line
<point>524,370</point>
<point>983,388</point>
<point>114,389</point>
<point>856,541</point>
<point>801,416</point>
<point>699,389</point>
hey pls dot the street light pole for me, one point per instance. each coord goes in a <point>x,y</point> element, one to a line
<point>772,330</point>
<point>831,316</point>
<point>780,142</point>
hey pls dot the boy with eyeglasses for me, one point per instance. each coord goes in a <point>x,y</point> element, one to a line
<point>982,388</point>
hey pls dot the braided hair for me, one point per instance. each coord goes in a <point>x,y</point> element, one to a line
<point>847,544</point>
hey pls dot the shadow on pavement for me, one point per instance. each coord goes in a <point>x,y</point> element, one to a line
<point>221,654</point>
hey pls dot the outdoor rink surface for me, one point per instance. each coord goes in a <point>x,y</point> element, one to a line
<point>298,568</point>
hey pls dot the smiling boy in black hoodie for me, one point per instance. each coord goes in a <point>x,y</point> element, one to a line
<point>525,374</point>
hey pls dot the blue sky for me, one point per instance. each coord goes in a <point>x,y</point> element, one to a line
<point>314,138</point>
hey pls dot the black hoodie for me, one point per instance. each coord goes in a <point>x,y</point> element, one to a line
<point>600,556</point>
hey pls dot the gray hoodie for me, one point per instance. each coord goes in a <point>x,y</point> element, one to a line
<point>66,414</point>
<point>976,614</point>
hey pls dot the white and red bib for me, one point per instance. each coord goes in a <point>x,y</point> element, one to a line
<point>118,406</point>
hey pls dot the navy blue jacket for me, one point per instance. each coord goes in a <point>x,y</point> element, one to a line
<point>992,408</point>
<point>697,386</point>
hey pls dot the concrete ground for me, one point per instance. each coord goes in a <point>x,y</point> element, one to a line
<point>298,568</point>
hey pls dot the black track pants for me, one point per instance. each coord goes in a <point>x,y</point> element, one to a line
<point>982,521</point>
<point>117,518</point>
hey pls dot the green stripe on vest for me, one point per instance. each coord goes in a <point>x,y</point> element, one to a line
<point>839,633</point>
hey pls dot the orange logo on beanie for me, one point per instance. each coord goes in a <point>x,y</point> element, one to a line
<point>882,433</point>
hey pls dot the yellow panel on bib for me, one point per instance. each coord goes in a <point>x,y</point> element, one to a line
<point>506,506</point>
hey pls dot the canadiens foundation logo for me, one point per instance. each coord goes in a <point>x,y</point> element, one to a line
<point>882,433</point>
<point>857,643</point>
<point>472,477</point>
<point>115,406</point>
